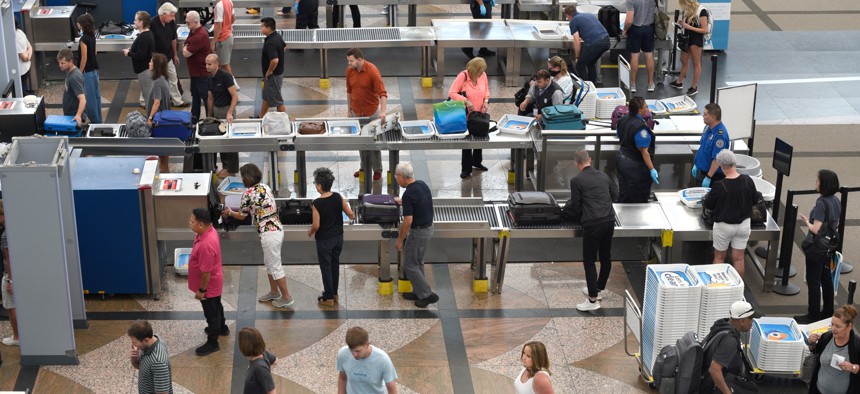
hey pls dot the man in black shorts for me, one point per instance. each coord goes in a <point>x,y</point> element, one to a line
<point>639,29</point>
<point>273,67</point>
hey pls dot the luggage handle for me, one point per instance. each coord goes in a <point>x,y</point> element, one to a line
<point>451,103</point>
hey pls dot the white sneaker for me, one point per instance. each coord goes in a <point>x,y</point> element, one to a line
<point>585,291</point>
<point>587,305</point>
<point>11,341</point>
<point>651,87</point>
<point>236,83</point>
<point>283,303</point>
<point>269,297</point>
<point>633,89</point>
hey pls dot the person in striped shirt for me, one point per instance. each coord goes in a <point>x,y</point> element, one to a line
<point>150,357</point>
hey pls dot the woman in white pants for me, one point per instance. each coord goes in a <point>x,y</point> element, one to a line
<point>258,199</point>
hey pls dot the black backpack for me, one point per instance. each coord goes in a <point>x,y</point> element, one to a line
<point>610,18</point>
<point>678,368</point>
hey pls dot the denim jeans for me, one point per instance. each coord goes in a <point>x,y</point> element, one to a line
<point>596,239</point>
<point>93,94</point>
<point>413,260</point>
<point>586,67</point>
<point>328,255</point>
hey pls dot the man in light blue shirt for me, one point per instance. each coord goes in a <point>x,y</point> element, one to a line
<point>364,368</point>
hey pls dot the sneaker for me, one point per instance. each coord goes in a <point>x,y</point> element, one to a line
<point>468,52</point>
<point>384,11</point>
<point>692,91</point>
<point>236,84</point>
<point>224,331</point>
<point>587,305</point>
<point>464,175</point>
<point>632,88</point>
<point>651,87</point>
<point>410,297</point>
<point>269,297</point>
<point>283,303</point>
<point>432,299</point>
<point>479,167</point>
<point>801,319</point>
<point>585,291</point>
<point>207,348</point>
<point>377,175</point>
<point>676,85</point>
<point>252,11</point>
<point>11,341</point>
<point>280,13</point>
<point>355,174</point>
<point>325,302</point>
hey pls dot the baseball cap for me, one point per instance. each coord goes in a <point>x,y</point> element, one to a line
<point>741,309</point>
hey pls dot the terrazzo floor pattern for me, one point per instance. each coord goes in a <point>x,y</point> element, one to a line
<point>421,348</point>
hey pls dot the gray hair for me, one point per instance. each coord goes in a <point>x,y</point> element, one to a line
<point>191,16</point>
<point>726,158</point>
<point>168,8</point>
<point>581,157</point>
<point>404,168</point>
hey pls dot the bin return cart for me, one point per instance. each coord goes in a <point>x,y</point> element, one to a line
<point>633,325</point>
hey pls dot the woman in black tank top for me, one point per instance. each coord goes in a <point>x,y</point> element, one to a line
<point>328,228</point>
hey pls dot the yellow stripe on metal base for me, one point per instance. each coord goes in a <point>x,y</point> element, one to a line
<point>386,288</point>
<point>480,285</point>
<point>426,82</point>
<point>667,236</point>
<point>325,83</point>
<point>404,286</point>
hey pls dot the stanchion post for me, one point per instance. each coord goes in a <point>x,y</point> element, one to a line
<point>714,78</point>
<point>846,267</point>
<point>789,226</point>
<point>852,287</point>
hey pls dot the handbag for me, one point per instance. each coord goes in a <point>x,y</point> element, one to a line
<point>683,41</point>
<point>661,22</point>
<point>450,117</point>
<point>808,367</point>
<point>478,124</point>
<point>210,127</point>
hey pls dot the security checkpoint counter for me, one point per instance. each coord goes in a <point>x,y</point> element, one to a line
<point>687,225</point>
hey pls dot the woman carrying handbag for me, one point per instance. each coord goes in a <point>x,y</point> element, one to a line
<point>471,86</point>
<point>842,344</point>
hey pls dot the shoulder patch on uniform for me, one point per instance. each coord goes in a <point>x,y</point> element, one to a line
<point>643,133</point>
<point>720,131</point>
<point>719,143</point>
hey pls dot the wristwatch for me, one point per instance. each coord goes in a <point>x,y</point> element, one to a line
<point>202,290</point>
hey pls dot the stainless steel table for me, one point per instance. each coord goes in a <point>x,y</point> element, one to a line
<point>687,225</point>
<point>459,33</point>
<point>506,12</point>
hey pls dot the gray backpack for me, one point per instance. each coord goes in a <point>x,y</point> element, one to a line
<point>136,126</point>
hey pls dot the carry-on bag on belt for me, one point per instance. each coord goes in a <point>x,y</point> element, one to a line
<point>294,211</point>
<point>378,208</point>
<point>562,117</point>
<point>61,125</point>
<point>533,208</point>
<point>172,124</point>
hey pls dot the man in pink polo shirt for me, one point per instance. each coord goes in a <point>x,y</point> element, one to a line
<point>205,278</point>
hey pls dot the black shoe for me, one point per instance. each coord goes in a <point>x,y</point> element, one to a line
<point>294,50</point>
<point>804,319</point>
<point>468,52</point>
<point>410,297</point>
<point>464,175</point>
<point>692,91</point>
<point>207,348</point>
<point>480,167</point>
<point>432,299</point>
<point>676,85</point>
<point>224,331</point>
<point>484,52</point>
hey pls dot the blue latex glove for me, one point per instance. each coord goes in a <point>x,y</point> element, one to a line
<point>296,7</point>
<point>706,182</point>
<point>695,170</point>
<point>654,176</point>
<point>492,3</point>
<point>483,10</point>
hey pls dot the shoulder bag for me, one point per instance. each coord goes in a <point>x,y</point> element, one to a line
<point>661,22</point>
<point>825,242</point>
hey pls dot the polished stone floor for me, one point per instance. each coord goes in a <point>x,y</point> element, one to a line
<point>470,342</point>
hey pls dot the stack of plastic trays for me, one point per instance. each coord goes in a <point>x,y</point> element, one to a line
<point>588,105</point>
<point>671,307</point>
<point>721,287</point>
<point>777,344</point>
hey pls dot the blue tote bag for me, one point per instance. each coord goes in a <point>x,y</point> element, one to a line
<point>450,117</point>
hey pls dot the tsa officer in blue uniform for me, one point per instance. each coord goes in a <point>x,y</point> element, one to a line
<point>634,166</point>
<point>715,138</point>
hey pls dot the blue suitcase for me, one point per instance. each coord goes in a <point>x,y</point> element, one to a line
<point>61,125</point>
<point>562,117</point>
<point>172,124</point>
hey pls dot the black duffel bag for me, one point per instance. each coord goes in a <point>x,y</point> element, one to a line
<point>478,124</point>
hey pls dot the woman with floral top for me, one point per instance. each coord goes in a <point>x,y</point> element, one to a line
<point>258,199</point>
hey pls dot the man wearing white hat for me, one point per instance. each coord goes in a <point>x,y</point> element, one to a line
<point>723,358</point>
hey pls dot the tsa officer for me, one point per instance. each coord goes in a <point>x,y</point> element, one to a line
<point>635,168</point>
<point>715,138</point>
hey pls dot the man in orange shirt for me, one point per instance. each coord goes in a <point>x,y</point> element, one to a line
<point>365,97</point>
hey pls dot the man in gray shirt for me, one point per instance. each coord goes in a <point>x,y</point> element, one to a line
<point>74,99</point>
<point>639,29</point>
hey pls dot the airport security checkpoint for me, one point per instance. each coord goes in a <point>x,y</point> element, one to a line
<point>164,162</point>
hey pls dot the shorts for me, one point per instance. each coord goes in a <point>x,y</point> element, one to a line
<point>736,235</point>
<point>640,39</point>
<point>272,90</point>
<point>271,242</point>
<point>224,50</point>
<point>8,298</point>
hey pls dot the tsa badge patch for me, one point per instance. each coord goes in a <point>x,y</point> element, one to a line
<point>720,143</point>
<point>643,134</point>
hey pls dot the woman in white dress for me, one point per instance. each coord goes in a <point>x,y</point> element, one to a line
<point>534,378</point>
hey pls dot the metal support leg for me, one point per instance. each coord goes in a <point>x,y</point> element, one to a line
<point>339,22</point>
<point>384,260</point>
<point>596,162</point>
<point>366,166</point>
<point>519,168</point>
<point>413,11</point>
<point>499,272</point>
<point>273,162</point>
<point>482,253</point>
<point>392,15</point>
<point>512,68</point>
<point>302,184</point>
<point>440,66</point>
<point>324,61</point>
<point>507,11</point>
<point>393,160</point>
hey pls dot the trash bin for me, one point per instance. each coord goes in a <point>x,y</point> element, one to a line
<point>748,165</point>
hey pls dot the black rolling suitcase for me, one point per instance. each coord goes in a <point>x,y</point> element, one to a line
<point>294,211</point>
<point>533,208</point>
<point>378,208</point>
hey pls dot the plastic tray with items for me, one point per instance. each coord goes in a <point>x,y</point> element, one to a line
<point>515,124</point>
<point>417,129</point>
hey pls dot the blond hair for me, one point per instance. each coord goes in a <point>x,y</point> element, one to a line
<point>557,61</point>
<point>539,356</point>
<point>476,67</point>
<point>689,7</point>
